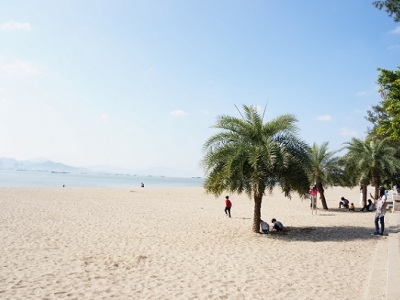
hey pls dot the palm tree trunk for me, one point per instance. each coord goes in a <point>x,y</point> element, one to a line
<point>364,191</point>
<point>377,183</point>
<point>257,213</point>
<point>322,195</point>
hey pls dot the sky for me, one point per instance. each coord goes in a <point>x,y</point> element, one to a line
<point>138,84</point>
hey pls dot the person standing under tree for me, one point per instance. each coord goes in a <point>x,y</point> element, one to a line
<point>313,197</point>
<point>228,205</point>
<point>380,211</point>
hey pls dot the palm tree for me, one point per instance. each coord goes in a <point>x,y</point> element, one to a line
<point>250,156</point>
<point>352,175</point>
<point>325,169</point>
<point>370,161</point>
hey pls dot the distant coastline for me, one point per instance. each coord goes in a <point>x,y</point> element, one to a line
<point>27,178</point>
<point>46,165</point>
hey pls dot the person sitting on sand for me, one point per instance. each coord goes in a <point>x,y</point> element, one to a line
<point>344,202</point>
<point>369,206</point>
<point>278,226</point>
<point>264,226</point>
<point>352,208</point>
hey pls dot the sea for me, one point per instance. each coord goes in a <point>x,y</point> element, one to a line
<point>13,178</point>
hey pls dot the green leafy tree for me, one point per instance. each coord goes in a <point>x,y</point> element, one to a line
<point>384,116</point>
<point>251,156</point>
<point>389,82</point>
<point>325,169</point>
<point>392,7</point>
<point>375,115</point>
<point>371,161</point>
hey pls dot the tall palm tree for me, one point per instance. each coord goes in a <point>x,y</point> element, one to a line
<point>251,156</point>
<point>352,176</point>
<point>370,161</point>
<point>325,169</point>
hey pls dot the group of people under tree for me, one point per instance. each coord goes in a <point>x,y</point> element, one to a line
<point>345,203</point>
<point>379,205</point>
<point>237,160</point>
<point>277,226</point>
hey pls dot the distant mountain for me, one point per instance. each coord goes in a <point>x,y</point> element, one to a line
<point>108,169</point>
<point>37,160</point>
<point>40,164</point>
<point>51,166</point>
<point>155,171</point>
<point>9,163</point>
<point>43,164</point>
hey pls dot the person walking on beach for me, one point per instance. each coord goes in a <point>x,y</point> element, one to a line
<point>380,211</point>
<point>228,205</point>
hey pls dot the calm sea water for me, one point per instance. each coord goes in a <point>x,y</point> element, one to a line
<point>10,178</point>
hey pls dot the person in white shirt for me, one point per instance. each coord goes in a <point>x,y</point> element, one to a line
<point>380,211</point>
<point>264,226</point>
<point>369,206</point>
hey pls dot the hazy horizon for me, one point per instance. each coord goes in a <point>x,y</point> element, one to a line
<point>43,164</point>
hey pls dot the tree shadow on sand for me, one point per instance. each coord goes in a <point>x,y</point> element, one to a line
<point>324,234</point>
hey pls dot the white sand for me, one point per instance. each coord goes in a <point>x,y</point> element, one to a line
<point>177,243</point>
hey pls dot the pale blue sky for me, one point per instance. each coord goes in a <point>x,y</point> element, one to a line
<point>137,84</point>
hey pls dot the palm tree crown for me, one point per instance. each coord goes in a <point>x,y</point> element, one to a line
<point>251,156</point>
<point>371,160</point>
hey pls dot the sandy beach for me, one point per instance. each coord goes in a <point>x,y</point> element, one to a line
<point>177,243</point>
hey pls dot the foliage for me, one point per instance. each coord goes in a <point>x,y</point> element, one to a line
<point>385,117</point>
<point>389,82</point>
<point>376,115</point>
<point>325,169</point>
<point>392,7</point>
<point>250,156</point>
<point>370,161</point>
